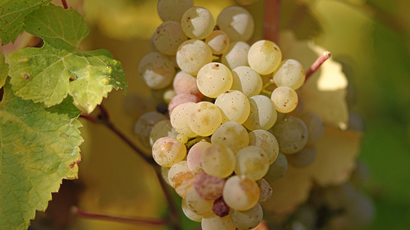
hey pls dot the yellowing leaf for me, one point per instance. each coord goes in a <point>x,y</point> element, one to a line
<point>4,69</point>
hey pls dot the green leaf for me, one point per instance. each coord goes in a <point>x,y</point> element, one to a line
<point>47,75</point>
<point>66,107</point>
<point>58,27</point>
<point>4,69</point>
<point>38,149</point>
<point>12,16</point>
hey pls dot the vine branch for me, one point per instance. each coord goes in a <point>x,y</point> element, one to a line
<point>319,61</point>
<point>271,20</point>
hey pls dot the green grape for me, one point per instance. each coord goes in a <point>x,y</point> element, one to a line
<point>195,155</point>
<point>262,115</point>
<point>198,205</point>
<point>192,55</point>
<point>246,80</point>
<point>247,219</point>
<point>167,151</point>
<point>266,141</point>
<point>265,190</point>
<point>208,187</point>
<point>168,37</point>
<point>236,55</point>
<point>189,213</point>
<point>290,73</point>
<point>205,118</point>
<point>218,161</point>
<point>213,79</point>
<point>241,193</point>
<point>145,124</point>
<point>215,222</point>
<point>277,169</point>
<point>232,135</point>
<point>156,70</point>
<point>264,57</point>
<point>285,99</point>
<point>197,22</point>
<point>237,22</point>
<point>314,125</point>
<point>252,162</point>
<point>172,10</point>
<point>179,119</point>
<point>291,133</point>
<point>218,41</point>
<point>161,129</point>
<point>234,106</point>
<point>175,169</point>
<point>303,158</point>
<point>168,95</point>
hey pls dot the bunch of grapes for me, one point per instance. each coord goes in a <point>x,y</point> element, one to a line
<point>227,137</point>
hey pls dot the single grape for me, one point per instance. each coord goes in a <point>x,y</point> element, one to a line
<point>237,22</point>
<point>218,161</point>
<point>303,158</point>
<point>264,57</point>
<point>186,84</point>
<point>145,124</point>
<point>291,133</point>
<point>266,141</point>
<point>198,205</point>
<point>179,119</point>
<point>218,41</point>
<point>161,129</point>
<point>265,190</point>
<point>192,55</point>
<point>247,219</point>
<point>205,118</point>
<point>156,70</point>
<point>213,79</point>
<point>262,114</point>
<point>168,37</point>
<point>220,208</point>
<point>181,99</point>
<point>183,182</point>
<point>232,135</point>
<point>197,22</point>
<point>189,213</point>
<point>277,169</point>
<point>252,162</point>
<point>172,10</point>
<point>241,193</point>
<point>195,155</point>
<point>314,125</point>
<point>285,99</point>
<point>236,55</point>
<point>290,73</point>
<point>234,106</point>
<point>168,95</point>
<point>215,222</point>
<point>246,80</point>
<point>167,151</point>
<point>208,187</point>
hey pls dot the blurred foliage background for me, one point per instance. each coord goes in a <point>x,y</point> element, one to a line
<point>371,38</point>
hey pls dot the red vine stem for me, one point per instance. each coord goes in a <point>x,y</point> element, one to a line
<point>130,220</point>
<point>64,4</point>
<point>319,61</point>
<point>271,20</point>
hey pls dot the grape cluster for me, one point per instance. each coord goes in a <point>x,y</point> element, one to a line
<point>227,137</point>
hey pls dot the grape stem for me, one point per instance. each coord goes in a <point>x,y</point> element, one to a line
<point>319,61</point>
<point>64,4</point>
<point>129,220</point>
<point>103,118</point>
<point>271,20</point>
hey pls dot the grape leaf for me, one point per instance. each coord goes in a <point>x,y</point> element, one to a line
<point>38,149</point>
<point>66,107</point>
<point>12,16</point>
<point>59,68</point>
<point>3,70</point>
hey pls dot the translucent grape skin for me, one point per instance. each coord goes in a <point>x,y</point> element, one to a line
<point>237,22</point>
<point>161,129</point>
<point>208,187</point>
<point>215,222</point>
<point>266,141</point>
<point>179,119</point>
<point>205,118</point>
<point>236,55</point>
<point>167,151</point>
<point>195,155</point>
<point>303,158</point>
<point>290,73</point>
<point>241,193</point>
<point>265,190</point>
<point>252,162</point>
<point>197,22</point>
<point>145,124</point>
<point>181,99</point>
<point>314,125</point>
<point>291,133</point>
<point>156,70</point>
<point>189,213</point>
<point>213,79</point>
<point>218,41</point>
<point>175,169</point>
<point>168,37</point>
<point>183,182</point>
<point>192,55</point>
<point>232,135</point>
<point>186,84</point>
<point>247,219</point>
<point>198,205</point>
<point>277,169</point>
<point>285,99</point>
<point>246,80</point>
<point>172,10</point>
<point>220,208</point>
<point>264,57</point>
<point>234,106</point>
<point>262,114</point>
<point>218,161</point>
